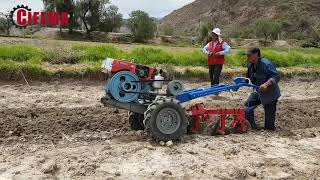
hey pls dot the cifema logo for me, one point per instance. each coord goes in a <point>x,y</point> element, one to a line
<point>22,16</point>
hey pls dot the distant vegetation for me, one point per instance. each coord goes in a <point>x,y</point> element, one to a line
<point>148,55</point>
<point>97,18</point>
<point>250,19</point>
<point>92,16</point>
<point>142,26</point>
<point>267,28</point>
<point>5,23</point>
<point>167,30</point>
<point>16,58</point>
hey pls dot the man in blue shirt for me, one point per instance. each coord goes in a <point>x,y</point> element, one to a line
<point>262,73</point>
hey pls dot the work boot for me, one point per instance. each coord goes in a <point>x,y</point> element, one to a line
<point>270,129</point>
<point>257,127</point>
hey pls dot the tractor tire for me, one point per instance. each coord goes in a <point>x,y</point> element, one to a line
<point>175,88</point>
<point>136,121</point>
<point>166,120</point>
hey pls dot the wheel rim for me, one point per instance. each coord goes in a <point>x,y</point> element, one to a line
<point>168,121</point>
<point>122,82</point>
<point>175,87</point>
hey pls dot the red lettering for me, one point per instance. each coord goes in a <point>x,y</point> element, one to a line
<point>53,18</point>
<point>43,18</point>
<point>35,18</point>
<point>30,18</point>
<point>21,17</point>
<point>64,19</point>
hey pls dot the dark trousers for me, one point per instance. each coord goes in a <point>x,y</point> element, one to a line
<point>215,73</point>
<point>269,111</point>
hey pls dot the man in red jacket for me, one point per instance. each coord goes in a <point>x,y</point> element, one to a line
<point>216,51</point>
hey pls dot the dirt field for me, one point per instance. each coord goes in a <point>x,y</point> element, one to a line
<point>60,130</point>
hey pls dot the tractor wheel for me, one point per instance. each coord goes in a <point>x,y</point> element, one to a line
<point>136,121</point>
<point>175,88</point>
<point>166,120</point>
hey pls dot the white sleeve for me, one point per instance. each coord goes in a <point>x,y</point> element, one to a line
<point>206,49</point>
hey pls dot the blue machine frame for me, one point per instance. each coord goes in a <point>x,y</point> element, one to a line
<point>197,93</point>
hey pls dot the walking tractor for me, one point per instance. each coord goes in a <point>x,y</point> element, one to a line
<point>139,89</point>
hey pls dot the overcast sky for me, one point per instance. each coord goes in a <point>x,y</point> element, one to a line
<point>155,8</point>
<point>7,5</point>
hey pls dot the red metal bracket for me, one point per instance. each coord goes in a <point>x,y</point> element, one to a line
<point>201,115</point>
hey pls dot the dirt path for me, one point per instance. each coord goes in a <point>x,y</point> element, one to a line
<point>60,130</point>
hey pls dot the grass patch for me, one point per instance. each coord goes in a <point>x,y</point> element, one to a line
<point>141,55</point>
<point>97,53</point>
<point>292,58</point>
<point>307,51</point>
<point>148,56</point>
<point>20,53</point>
<point>35,61</point>
<point>33,70</point>
<point>237,59</point>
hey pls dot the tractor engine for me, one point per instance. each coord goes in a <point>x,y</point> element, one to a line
<point>141,71</point>
<point>130,82</point>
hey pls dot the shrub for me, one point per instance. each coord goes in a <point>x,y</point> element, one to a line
<point>62,57</point>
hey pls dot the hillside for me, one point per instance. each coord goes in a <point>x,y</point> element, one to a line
<point>299,18</point>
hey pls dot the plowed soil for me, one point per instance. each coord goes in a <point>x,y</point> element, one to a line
<point>61,130</point>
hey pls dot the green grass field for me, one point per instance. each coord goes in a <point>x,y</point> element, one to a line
<point>37,61</point>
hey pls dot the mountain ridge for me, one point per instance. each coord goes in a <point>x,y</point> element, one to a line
<point>234,16</point>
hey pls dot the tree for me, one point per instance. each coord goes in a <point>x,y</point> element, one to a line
<point>267,29</point>
<point>141,26</point>
<point>3,25</point>
<point>205,36</point>
<point>5,22</point>
<point>111,19</point>
<point>63,6</point>
<point>167,30</point>
<point>90,12</point>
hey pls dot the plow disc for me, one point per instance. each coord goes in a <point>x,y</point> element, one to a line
<point>201,117</point>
